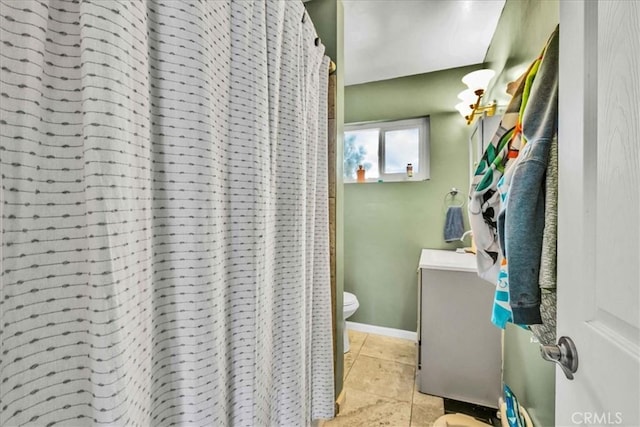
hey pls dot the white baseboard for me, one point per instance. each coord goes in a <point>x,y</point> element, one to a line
<point>381,330</point>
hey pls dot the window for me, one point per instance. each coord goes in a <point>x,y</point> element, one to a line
<point>385,149</point>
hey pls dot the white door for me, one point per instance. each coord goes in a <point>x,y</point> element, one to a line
<point>599,211</point>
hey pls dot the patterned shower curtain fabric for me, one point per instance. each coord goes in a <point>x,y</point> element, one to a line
<point>164,214</point>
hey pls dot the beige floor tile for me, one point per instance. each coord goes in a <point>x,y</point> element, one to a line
<point>349,358</point>
<point>388,348</point>
<point>382,377</point>
<point>427,399</point>
<point>356,339</point>
<point>426,409</point>
<point>424,416</point>
<point>366,409</point>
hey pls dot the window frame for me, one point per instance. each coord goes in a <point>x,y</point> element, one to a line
<point>423,126</point>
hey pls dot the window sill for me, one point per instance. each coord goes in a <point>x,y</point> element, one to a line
<point>389,180</point>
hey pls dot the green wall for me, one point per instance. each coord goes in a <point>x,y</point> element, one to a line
<point>531,378</point>
<point>405,97</point>
<point>523,29</point>
<point>324,14</point>
<point>387,224</point>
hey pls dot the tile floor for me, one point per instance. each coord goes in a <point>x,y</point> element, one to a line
<point>379,380</point>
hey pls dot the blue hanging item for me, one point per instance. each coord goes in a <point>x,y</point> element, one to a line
<point>454,221</point>
<point>453,224</point>
<point>514,417</point>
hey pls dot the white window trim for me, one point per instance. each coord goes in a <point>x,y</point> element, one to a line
<point>423,125</point>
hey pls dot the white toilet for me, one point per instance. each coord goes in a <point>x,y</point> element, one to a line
<point>350,305</point>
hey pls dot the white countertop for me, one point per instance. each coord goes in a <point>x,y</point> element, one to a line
<point>437,259</point>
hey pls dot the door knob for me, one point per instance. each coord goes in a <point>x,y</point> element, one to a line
<point>564,354</point>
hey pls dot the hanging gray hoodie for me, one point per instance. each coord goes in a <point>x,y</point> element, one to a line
<point>524,220</point>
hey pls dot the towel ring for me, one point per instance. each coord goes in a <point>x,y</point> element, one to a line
<point>450,198</point>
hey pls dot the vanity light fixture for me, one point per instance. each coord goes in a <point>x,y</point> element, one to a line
<point>477,82</point>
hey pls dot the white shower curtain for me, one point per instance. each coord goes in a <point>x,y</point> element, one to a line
<point>164,214</point>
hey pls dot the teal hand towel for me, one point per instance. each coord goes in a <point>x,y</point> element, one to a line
<point>453,224</point>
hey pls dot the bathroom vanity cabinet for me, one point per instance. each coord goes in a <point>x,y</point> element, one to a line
<point>459,349</point>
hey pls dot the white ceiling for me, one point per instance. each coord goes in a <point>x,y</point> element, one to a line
<point>384,39</point>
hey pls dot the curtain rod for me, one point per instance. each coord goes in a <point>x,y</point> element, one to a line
<point>332,65</point>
